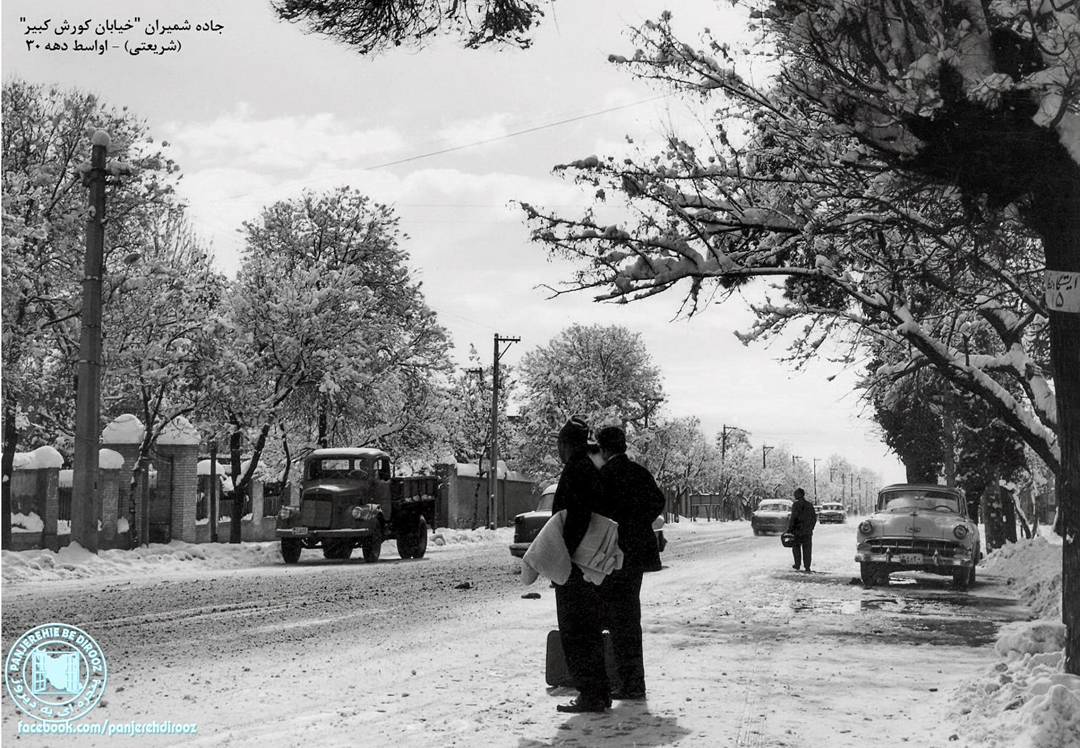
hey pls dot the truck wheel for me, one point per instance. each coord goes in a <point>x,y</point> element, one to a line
<point>290,550</point>
<point>413,544</point>
<point>420,544</point>
<point>372,549</point>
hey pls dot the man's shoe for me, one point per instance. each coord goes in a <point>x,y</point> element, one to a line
<point>579,705</point>
<point>795,567</point>
<point>635,695</point>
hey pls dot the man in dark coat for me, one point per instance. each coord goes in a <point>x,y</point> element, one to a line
<point>577,603</point>
<point>636,501</point>
<point>801,525</point>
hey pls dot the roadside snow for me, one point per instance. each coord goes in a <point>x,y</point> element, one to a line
<point>74,562</point>
<point>1026,699</point>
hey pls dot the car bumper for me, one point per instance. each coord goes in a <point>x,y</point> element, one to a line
<point>830,520</point>
<point>915,560</point>
<point>307,532</point>
<point>518,549</point>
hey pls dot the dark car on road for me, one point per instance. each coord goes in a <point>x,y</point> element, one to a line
<point>772,515</point>
<point>527,525</point>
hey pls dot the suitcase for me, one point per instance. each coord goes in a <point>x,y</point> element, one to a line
<point>557,674</point>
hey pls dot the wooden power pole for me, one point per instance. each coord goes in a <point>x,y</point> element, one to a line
<point>85,491</point>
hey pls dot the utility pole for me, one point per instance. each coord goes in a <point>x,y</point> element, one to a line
<point>764,451</point>
<point>654,401</point>
<point>815,479</point>
<point>85,492</point>
<point>493,474</point>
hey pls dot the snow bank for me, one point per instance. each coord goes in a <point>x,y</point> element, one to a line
<point>1026,699</point>
<point>1034,568</point>
<point>74,562</point>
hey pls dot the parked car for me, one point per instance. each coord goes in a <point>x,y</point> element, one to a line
<point>527,525</point>
<point>919,527</point>
<point>832,511</point>
<point>772,515</point>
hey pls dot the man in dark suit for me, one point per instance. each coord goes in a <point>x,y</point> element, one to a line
<point>801,525</point>
<point>578,603</point>
<point>636,501</point>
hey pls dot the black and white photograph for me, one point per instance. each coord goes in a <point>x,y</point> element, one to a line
<point>524,373</point>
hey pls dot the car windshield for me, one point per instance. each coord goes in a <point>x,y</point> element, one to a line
<point>774,506</point>
<point>833,507</point>
<point>926,499</point>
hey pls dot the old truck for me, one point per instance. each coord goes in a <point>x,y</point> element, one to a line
<point>350,498</point>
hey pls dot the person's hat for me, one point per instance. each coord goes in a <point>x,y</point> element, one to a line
<point>575,431</point>
<point>612,438</point>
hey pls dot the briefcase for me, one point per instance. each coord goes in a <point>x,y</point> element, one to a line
<point>787,540</point>
<point>557,674</point>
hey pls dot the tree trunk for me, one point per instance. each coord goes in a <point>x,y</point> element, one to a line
<point>7,467</point>
<point>1057,215</point>
<point>1008,507</point>
<point>236,513</point>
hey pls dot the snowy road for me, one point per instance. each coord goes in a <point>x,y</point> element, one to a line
<point>740,650</point>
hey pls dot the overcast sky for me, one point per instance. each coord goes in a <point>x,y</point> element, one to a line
<point>257,111</point>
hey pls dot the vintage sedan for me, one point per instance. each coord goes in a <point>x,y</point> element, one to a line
<point>527,525</point>
<point>832,511</point>
<point>772,515</point>
<point>919,528</point>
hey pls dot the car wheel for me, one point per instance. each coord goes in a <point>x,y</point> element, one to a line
<point>869,573</point>
<point>290,550</point>
<point>962,578</point>
<point>757,531</point>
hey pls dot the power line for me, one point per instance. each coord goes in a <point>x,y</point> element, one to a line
<point>514,134</point>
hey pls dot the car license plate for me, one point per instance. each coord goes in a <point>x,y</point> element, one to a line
<point>910,558</point>
<point>299,531</point>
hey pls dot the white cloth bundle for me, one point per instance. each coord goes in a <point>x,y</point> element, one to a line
<point>597,555</point>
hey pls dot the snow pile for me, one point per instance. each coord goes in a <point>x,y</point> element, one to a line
<point>1034,568</point>
<point>448,536</point>
<point>26,522</point>
<point>74,562</point>
<point>1026,699</point>
<point>40,459</point>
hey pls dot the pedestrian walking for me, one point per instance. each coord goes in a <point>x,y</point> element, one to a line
<point>801,525</point>
<point>577,602</point>
<point>635,502</point>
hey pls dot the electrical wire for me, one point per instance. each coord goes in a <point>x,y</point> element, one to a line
<point>516,133</point>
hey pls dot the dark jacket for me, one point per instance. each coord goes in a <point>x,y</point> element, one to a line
<point>580,493</point>
<point>636,501</point>
<point>803,518</point>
